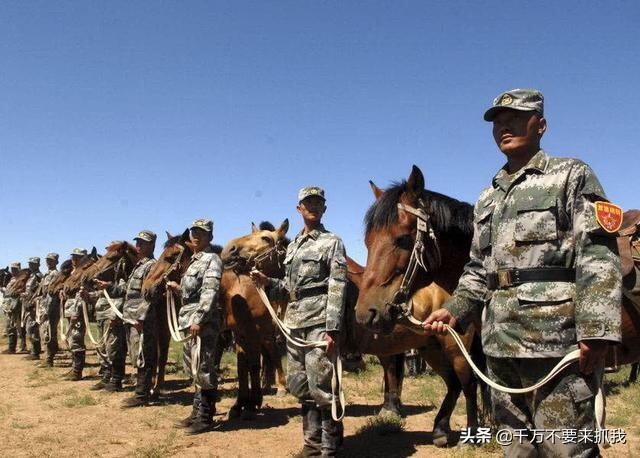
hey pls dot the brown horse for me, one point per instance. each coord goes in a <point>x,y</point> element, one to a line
<point>20,283</point>
<point>246,315</point>
<point>387,291</point>
<point>75,280</point>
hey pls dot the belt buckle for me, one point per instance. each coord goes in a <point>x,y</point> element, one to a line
<point>504,278</point>
<point>293,296</point>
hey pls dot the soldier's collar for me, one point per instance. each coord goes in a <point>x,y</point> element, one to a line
<point>314,234</point>
<point>538,163</point>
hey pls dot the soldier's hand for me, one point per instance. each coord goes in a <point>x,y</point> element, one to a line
<point>330,338</point>
<point>592,354</point>
<point>259,278</point>
<point>434,324</point>
<point>172,285</point>
<point>99,284</point>
<point>195,329</point>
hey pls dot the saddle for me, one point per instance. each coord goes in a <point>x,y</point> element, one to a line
<point>629,250</point>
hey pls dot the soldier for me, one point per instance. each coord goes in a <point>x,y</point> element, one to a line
<point>29,308</point>
<point>544,266</point>
<point>315,285</point>
<point>73,313</point>
<point>48,312</point>
<point>11,308</point>
<point>200,315</point>
<point>141,337</point>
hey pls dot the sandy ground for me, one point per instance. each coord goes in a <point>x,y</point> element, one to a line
<point>40,415</point>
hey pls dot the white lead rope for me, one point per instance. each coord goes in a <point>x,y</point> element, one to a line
<point>140,358</point>
<point>174,330</point>
<point>568,359</point>
<point>337,390</point>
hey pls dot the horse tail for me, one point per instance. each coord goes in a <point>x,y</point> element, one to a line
<point>479,358</point>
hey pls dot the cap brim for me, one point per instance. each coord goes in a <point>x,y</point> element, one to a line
<point>313,195</point>
<point>143,239</point>
<point>200,227</point>
<point>492,112</point>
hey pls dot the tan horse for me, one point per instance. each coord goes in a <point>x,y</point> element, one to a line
<point>382,304</point>
<point>246,315</point>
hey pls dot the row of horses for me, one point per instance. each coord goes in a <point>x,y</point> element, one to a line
<point>372,325</point>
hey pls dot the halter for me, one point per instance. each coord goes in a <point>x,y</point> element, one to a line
<point>429,262</point>
<point>259,261</point>
<point>175,265</point>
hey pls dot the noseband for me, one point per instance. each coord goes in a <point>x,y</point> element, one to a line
<point>429,261</point>
<point>261,261</point>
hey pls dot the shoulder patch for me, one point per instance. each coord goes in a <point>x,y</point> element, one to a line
<point>609,216</point>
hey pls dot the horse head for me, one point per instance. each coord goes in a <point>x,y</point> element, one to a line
<point>75,280</point>
<point>56,285</point>
<point>409,232</point>
<point>115,264</point>
<point>263,249</point>
<point>171,264</point>
<point>20,282</point>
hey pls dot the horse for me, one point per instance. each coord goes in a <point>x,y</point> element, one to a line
<point>404,277</point>
<point>246,315</point>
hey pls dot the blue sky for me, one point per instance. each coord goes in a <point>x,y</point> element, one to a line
<point>118,116</point>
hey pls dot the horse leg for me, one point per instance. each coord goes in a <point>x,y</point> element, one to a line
<point>393,370</point>
<point>254,401</point>
<point>164,340</point>
<point>271,349</point>
<point>243,384</point>
<point>633,375</point>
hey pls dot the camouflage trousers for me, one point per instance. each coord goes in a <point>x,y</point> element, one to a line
<point>48,328</point>
<point>309,370</point>
<point>114,348</point>
<point>566,402</point>
<point>76,336</point>
<point>205,375</point>
<point>32,330</point>
<point>144,357</point>
<point>12,325</point>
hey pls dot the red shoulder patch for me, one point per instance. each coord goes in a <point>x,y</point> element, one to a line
<point>609,216</point>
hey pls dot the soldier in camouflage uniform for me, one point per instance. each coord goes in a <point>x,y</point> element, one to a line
<point>73,313</point>
<point>29,308</point>
<point>315,285</point>
<point>200,315</point>
<point>545,273</point>
<point>48,310</point>
<point>11,309</point>
<point>141,337</point>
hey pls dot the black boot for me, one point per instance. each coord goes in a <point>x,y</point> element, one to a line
<point>332,432</point>
<point>23,342</point>
<point>311,429</point>
<point>35,349</point>
<point>207,408</point>
<point>104,379</point>
<point>114,385</point>
<point>11,349</point>
<point>186,422</point>
<point>77,364</point>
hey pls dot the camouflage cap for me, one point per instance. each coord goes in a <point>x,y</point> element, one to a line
<point>204,224</point>
<point>516,99</point>
<point>78,252</point>
<point>310,191</point>
<point>34,260</point>
<point>15,265</point>
<point>52,256</point>
<point>146,235</point>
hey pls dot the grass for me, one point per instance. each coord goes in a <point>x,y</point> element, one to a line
<point>158,450</point>
<point>78,400</point>
<point>19,425</point>
<point>383,425</point>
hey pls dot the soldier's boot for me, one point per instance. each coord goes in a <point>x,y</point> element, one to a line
<point>11,349</point>
<point>104,379</point>
<point>186,422</point>
<point>204,419</point>
<point>332,433</point>
<point>47,363</point>
<point>311,429</point>
<point>77,365</point>
<point>23,345</point>
<point>36,349</point>
<point>114,385</point>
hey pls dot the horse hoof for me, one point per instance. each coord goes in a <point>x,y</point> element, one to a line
<point>234,412</point>
<point>248,414</point>
<point>440,440</point>
<point>386,411</point>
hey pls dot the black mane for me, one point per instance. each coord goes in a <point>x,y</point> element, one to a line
<point>449,216</point>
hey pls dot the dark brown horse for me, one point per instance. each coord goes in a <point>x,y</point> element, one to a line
<point>20,283</point>
<point>246,315</point>
<point>390,237</point>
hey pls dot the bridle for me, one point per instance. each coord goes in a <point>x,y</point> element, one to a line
<point>421,258</point>
<point>271,257</point>
<point>175,265</point>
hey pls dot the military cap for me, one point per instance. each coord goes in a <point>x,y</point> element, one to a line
<point>34,260</point>
<point>78,252</point>
<point>15,265</point>
<point>204,224</point>
<point>516,99</point>
<point>146,235</point>
<point>310,191</point>
<point>52,256</point>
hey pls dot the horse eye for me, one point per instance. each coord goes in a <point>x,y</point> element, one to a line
<point>404,242</point>
<point>267,239</point>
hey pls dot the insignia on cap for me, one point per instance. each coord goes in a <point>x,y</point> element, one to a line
<point>609,216</point>
<point>506,100</point>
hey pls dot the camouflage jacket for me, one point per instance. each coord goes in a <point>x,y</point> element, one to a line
<point>316,260</point>
<point>199,288</point>
<point>542,216</point>
<point>45,300</point>
<point>102,307</point>
<point>135,307</point>
<point>10,302</point>
<point>30,290</point>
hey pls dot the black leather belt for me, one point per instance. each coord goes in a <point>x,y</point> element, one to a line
<point>507,278</point>
<point>298,294</point>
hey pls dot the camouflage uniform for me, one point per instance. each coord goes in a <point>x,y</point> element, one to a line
<point>11,308</point>
<point>315,285</point>
<point>543,216</point>
<point>48,313</point>
<point>136,308</point>
<point>77,329</point>
<point>29,312</point>
<point>114,346</point>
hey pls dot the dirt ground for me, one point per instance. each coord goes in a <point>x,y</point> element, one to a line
<point>40,415</point>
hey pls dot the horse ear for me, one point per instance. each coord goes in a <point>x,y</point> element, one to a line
<point>415,183</point>
<point>284,227</point>
<point>377,192</point>
<point>185,236</point>
<point>169,236</point>
<point>94,253</point>
<point>254,228</point>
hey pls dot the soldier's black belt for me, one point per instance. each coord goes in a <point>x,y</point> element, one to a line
<point>513,277</point>
<point>298,294</point>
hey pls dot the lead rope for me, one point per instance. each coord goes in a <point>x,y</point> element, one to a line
<point>174,330</point>
<point>337,391</point>
<point>65,334</point>
<point>96,342</point>
<point>140,362</point>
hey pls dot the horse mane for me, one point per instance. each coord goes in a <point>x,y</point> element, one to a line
<point>449,216</point>
<point>267,226</point>
<point>217,249</point>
